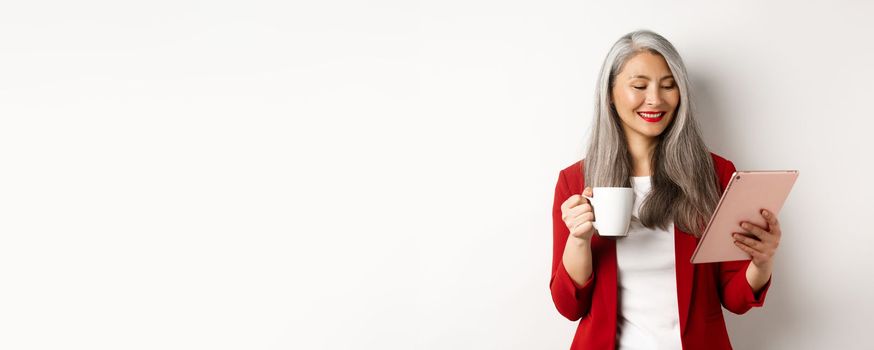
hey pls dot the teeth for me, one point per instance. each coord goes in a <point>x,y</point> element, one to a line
<point>651,115</point>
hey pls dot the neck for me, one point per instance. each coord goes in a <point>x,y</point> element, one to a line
<point>641,149</point>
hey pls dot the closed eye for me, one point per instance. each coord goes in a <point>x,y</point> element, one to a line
<point>663,87</point>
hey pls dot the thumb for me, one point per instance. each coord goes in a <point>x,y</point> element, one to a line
<point>587,192</point>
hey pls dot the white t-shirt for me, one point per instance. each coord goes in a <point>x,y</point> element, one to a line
<point>648,315</point>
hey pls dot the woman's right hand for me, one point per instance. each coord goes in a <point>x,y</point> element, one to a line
<point>578,215</point>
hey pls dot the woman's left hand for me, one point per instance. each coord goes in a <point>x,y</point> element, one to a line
<point>760,242</point>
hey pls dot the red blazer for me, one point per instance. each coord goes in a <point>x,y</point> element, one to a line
<point>701,288</point>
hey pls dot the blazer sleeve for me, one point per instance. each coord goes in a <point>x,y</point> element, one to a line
<point>571,300</point>
<point>736,293</point>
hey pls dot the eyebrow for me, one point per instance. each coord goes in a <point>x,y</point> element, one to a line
<point>647,78</point>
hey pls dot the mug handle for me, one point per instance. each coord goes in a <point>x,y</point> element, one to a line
<point>592,203</point>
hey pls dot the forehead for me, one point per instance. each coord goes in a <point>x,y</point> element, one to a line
<point>646,65</point>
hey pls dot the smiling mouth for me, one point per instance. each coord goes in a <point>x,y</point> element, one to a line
<point>652,117</point>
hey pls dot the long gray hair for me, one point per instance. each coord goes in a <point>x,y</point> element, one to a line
<point>684,184</point>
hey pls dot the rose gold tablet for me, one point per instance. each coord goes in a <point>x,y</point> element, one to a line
<point>747,193</point>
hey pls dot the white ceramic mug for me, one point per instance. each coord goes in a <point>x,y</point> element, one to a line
<point>613,207</point>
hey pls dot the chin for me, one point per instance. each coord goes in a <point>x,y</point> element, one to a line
<point>652,133</point>
<point>655,130</point>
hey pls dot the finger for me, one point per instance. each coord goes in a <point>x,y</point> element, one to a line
<point>570,214</point>
<point>773,223</point>
<point>587,192</point>
<point>755,230</point>
<point>580,219</point>
<point>748,241</point>
<point>572,201</point>
<point>759,255</point>
<point>765,250</point>
<point>587,216</point>
<point>755,254</point>
<point>580,209</point>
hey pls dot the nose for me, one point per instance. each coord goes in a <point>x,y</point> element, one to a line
<point>653,98</point>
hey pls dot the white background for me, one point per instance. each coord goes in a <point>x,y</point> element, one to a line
<point>380,175</point>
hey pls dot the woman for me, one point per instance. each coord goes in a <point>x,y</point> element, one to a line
<point>641,291</point>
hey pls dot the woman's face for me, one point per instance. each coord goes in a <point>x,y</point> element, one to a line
<point>645,85</point>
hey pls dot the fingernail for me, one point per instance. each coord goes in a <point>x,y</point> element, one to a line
<point>765,213</point>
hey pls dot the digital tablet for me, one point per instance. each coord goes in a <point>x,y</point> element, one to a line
<point>747,193</point>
